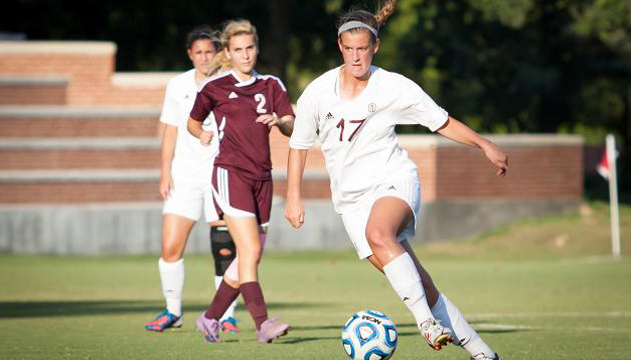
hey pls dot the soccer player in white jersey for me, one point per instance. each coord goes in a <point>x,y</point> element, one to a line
<point>185,184</point>
<point>353,110</point>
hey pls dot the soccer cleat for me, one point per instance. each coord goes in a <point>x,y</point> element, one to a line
<point>272,329</point>
<point>210,329</point>
<point>481,356</point>
<point>164,321</point>
<point>229,325</point>
<point>436,335</point>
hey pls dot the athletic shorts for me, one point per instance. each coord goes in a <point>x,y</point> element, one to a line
<point>239,196</point>
<point>355,221</point>
<point>188,199</point>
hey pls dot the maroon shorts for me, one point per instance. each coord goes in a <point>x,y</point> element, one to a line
<point>239,196</point>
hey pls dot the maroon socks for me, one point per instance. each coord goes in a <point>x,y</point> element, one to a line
<point>253,297</point>
<point>224,296</point>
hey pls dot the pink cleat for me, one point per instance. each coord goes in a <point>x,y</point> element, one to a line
<point>210,328</point>
<point>164,321</point>
<point>272,329</point>
<point>229,326</point>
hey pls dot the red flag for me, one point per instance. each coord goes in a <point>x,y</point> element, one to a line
<point>603,166</point>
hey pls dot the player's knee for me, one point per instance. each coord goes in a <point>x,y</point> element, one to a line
<point>252,253</point>
<point>378,237</point>
<point>170,253</point>
<point>222,247</point>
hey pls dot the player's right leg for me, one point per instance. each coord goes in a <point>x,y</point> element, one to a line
<point>388,217</point>
<point>175,231</point>
<point>181,210</point>
<point>224,251</point>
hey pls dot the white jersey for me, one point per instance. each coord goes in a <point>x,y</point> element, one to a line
<point>358,139</point>
<point>192,162</point>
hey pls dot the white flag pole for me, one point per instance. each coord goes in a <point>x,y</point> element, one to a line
<point>613,196</point>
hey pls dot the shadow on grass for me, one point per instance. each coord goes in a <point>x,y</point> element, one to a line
<point>317,327</point>
<point>501,329</point>
<point>28,309</point>
<point>290,340</point>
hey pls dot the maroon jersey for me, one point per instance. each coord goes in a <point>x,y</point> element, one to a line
<point>243,143</point>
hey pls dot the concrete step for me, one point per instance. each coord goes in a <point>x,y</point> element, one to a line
<point>79,153</point>
<point>63,121</point>
<point>33,90</point>
<point>114,186</point>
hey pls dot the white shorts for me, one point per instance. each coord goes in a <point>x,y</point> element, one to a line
<point>356,220</point>
<point>189,199</point>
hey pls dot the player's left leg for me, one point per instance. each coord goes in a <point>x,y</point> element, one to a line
<point>450,316</point>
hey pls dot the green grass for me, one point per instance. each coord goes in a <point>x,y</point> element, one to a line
<point>542,289</point>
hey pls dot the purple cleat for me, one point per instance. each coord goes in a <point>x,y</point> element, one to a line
<point>209,327</point>
<point>272,329</point>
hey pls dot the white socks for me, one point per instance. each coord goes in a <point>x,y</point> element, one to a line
<point>462,332</point>
<point>404,278</point>
<point>172,277</point>
<point>230,311</point>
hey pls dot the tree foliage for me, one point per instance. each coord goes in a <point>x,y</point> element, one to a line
<point>502,66</point>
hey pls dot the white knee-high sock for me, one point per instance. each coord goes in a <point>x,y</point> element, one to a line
<point>230,311</point>
<point>404,278</point>
<point>172,276</point>
<point>462,332</point>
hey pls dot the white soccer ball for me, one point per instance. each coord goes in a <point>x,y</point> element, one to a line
<point>369,335</point>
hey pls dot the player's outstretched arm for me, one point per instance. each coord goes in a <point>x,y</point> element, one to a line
<point>285,124</point>
<point>294,211</point>
<point>457,131</point>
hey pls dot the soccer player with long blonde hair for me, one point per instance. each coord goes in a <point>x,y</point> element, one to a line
<point>246,105</point>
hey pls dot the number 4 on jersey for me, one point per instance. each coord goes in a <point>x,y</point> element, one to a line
<point>340,125</point>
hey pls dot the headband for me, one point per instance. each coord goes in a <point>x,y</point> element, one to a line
<point>354,25</point>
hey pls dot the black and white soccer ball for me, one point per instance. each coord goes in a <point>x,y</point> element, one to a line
<point>369,335</point>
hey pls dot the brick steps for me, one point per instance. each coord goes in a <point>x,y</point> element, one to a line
<point>79,153</point>
<point>62,121</point>
<point>33,90</point>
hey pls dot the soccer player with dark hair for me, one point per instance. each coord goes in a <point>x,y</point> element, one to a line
<point>185,183</point>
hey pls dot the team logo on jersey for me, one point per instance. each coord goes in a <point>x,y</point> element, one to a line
<point>233,95</point>
<point>372,107</point>
<point>329,116</point>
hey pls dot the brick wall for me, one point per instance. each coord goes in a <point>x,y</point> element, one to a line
<point>54,159</point>
<point>78,192</point>
<point>89,66</point>
<point>32,93</point>
<point>81,75</point>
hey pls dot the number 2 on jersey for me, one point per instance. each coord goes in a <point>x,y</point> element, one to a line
<point>340,125</point>
<point>260,99</point>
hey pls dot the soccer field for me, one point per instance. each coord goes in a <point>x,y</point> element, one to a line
<point>526,306</point>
